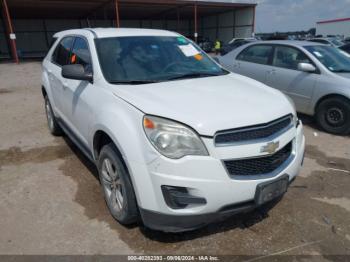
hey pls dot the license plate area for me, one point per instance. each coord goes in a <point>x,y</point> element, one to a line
<point>265,192</point>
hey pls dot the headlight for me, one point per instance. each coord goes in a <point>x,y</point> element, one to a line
<point>295,117</point>
<point>295,120</point>
<point>172,139</point>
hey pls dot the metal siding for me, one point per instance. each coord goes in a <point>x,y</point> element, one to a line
<point>336,28</point>
<point>245,17</point>
<point>4,50</point>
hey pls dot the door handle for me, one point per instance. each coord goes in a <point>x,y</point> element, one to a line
<point>65,85</point>
<point>272,72</point>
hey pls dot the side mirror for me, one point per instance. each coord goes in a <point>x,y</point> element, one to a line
<point>76,72</point>
<point>306,67</point>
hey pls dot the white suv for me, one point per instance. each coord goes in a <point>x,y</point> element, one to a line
<point>179,142</point>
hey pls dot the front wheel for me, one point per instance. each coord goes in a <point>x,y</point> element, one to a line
<point>54,127</point>
<point>333,115</point>
<point>117,187</point>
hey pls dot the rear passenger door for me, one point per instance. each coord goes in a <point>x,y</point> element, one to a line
<point>254,62</point>
<point>286,77</point>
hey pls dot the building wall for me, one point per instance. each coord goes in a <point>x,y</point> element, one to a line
<point>34,36</point>
<point>4,51</point>
<point>228,25</point>
<point>336,28</point>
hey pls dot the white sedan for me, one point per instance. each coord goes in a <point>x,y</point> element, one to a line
<point>314,76</point>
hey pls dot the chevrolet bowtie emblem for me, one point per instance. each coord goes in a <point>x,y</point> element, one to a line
<point>270,148</point>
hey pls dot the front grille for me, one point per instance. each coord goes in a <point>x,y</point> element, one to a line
<point>253,132</point>
<point>259,165</point>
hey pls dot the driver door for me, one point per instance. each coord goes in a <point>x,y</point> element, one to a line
<point>79,94</point>
<point>285,76</point>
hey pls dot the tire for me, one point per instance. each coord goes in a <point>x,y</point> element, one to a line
<point>117,187</point>
<point>54,127</point>
<point>333,115</point>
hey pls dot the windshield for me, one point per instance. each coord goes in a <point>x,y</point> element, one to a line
<point>333,58</point>
<point>147,59</point>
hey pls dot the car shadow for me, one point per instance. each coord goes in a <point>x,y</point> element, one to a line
<point>309,121</point>
<point>242,221</point>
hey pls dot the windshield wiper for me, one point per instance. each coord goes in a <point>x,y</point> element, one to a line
<point>133,82</point>
<point>193,75</point>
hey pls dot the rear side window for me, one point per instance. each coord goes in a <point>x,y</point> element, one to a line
<point>259,54</point>
<point>62,52</point>
<point>80,52</point>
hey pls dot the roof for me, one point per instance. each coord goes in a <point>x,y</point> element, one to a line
<point>118,32</point>
<point>290,42</point>
<point>334,21</point>
<point>129,9</point>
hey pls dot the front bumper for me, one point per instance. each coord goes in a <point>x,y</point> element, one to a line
<point>180,223</point>
<point>206,177</point>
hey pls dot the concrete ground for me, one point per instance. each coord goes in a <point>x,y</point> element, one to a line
<point>51,202</point>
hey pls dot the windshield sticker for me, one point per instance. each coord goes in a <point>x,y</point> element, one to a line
<point>198,57</point>
<point>188,50</point>
<point>318,54</point>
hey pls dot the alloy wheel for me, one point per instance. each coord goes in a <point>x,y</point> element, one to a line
<point>112,185</point>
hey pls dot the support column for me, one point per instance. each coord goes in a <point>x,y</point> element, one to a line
<point>116,4</point>
<point>253,30</point>
<point>178,20</point>
<point>195,23</point>
<point>10,32</point>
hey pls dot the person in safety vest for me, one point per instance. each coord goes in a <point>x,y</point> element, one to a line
<point>217,46</point>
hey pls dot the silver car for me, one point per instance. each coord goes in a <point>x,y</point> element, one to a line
<point>315,76</point>
<point>333,41</point>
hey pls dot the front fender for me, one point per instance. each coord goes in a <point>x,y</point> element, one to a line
<point>123,124</point>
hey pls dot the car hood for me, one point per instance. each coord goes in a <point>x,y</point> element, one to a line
<point>209,104</point>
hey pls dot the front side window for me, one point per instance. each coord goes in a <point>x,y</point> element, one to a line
<point>153,59</point>
<point>289,57</point>
<point>61,54</point>
<point>259,54</point>
<point>80,53</point>
<point>334,59</point>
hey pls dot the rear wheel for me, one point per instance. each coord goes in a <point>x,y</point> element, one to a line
<point>333,115</point>
<point>54,128</point>
<point>117,187</point>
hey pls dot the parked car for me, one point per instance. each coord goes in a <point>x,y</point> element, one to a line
<point>346,48</point>
<point>315,76</point>
<point>332,41</point>
<point>228,48</point>
<point>347,40</point>
<point>241,39</point>
<point>178,141</point>
<point>205,44</point>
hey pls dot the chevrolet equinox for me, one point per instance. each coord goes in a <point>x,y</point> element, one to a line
<point>179,142</point>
